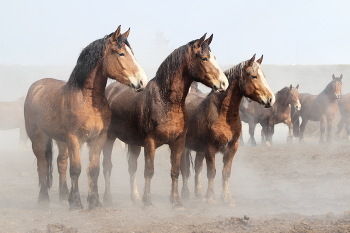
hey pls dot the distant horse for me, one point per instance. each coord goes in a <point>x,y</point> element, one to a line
<point>11,117</point>
<point>157,115</point>
<point>344,109</point>
<point>268,118</point>
<point>322,108</point>
<point>77,111</point>
<point>215,125</point>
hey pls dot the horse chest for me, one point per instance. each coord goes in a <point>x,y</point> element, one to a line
<point>221,132</point>
<point>172,126</point>
<point>94,123</point>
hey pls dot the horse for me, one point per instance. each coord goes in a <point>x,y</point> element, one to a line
<point>11,117</point>
<point>75,112</point>
<point>268,118</point>
<point>157,115</point>
<point>321,107</point>
<point>344,109</point>
<point>215,125</point>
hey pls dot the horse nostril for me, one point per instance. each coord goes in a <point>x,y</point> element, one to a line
<point>270,100</point>
<point>141,83</point>
<point>223,84</point>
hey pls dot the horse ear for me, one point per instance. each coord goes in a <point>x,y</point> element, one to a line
<point>126,34</point>
<point>341,76</point>
<point>210,38</point>
<point>199,42</point>
<point>251,61</point>
<point>115,35</point>
<point>291,86</point>
<point>260,59</point>
<point>297,87</point>
<point>333,77</point>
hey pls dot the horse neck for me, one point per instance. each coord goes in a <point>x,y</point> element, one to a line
<point>231,99</point>
<point>95,84</point>
<point>328,93</point>
<point>176,88</point>
<point>281,102</point>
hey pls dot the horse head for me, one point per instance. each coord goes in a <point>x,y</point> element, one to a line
<point>203,67</point>
<point>294,100</point>
<point>337,86</point>
<point>119,62</point>
<point>253,83</point>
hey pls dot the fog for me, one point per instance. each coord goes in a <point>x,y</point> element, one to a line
<point>302,42</point>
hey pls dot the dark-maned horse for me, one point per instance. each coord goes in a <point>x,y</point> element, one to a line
<point>344,109</point>
<point>322,108</point>
<point>215,125</point>
<point>157,115</point>
<point>77,111</point>
<point>279,113</point>
<point>11,117</point>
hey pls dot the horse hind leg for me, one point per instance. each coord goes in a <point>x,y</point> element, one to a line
<point>42,148</point>
<point>185,171</point>
<point>62,163</point>
<point>133,155</point>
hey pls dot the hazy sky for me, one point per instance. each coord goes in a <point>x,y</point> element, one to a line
<point>286,32</point>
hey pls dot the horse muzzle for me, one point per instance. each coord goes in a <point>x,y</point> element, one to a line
<point>297,107</point>
<point>337,96</point>
<point>221,87</point>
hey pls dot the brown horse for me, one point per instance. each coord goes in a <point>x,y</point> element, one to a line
<point>268,118</point>
<point>215,125</point>
<point>77,111</point>
<point>322,108</point>
<point>11,117</point>
<point>344,109</point>
<point>157,115</point>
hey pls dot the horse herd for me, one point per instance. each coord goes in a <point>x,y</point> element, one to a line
<point>161,111</point>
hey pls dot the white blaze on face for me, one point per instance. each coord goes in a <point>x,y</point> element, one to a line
<point>263,79</point>
<point>222,76</point>
<point>141,75</point>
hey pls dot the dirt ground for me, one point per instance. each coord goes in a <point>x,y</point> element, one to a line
<point>282,188</point>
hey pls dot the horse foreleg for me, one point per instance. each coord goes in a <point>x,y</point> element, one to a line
<point>107,169</point>
<point>134,152</point>
<point>177,148</point>
<point>74,170</point>
<point>211,172</point>
<point>252,126</point>
<point>94,170</point>
<point>198,166</point>
<point>329,128</point>
<point>185,171</point>
<point>302,129</point>
<point>289,123</point>
<point>62,163</point>
<point>226,172</point>
<point>340,126</point>
<point>322,128</point>
<point>150,148</point>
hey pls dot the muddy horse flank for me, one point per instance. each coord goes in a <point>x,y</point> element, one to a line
<point>157,115</point>
<point>77,111</point>
<point>215,125</point>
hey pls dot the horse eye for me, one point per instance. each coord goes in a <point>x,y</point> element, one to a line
<point>254,77</point>
<point>204,59</point>
<point>121,54</point>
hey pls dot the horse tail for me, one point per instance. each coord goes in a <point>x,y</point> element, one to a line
<point>48,157</point>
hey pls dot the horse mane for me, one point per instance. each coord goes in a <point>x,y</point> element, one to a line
<point>172,63</point>
<point>89,58</point>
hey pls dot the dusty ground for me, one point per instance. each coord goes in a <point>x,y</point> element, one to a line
<point>283,188</point>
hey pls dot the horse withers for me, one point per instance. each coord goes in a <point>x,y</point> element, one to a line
<point>158,116</point>
<point>321,107</point>
<point>77,111</point>
<point>215,125</point>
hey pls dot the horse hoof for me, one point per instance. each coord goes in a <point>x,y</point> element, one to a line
<point>185,194</point>
<point>76,206</point>
<point>178,207</point>
<point>267,143</point>
<point>148,206</point>
<point>95,205</point>
<point>211,200</point>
